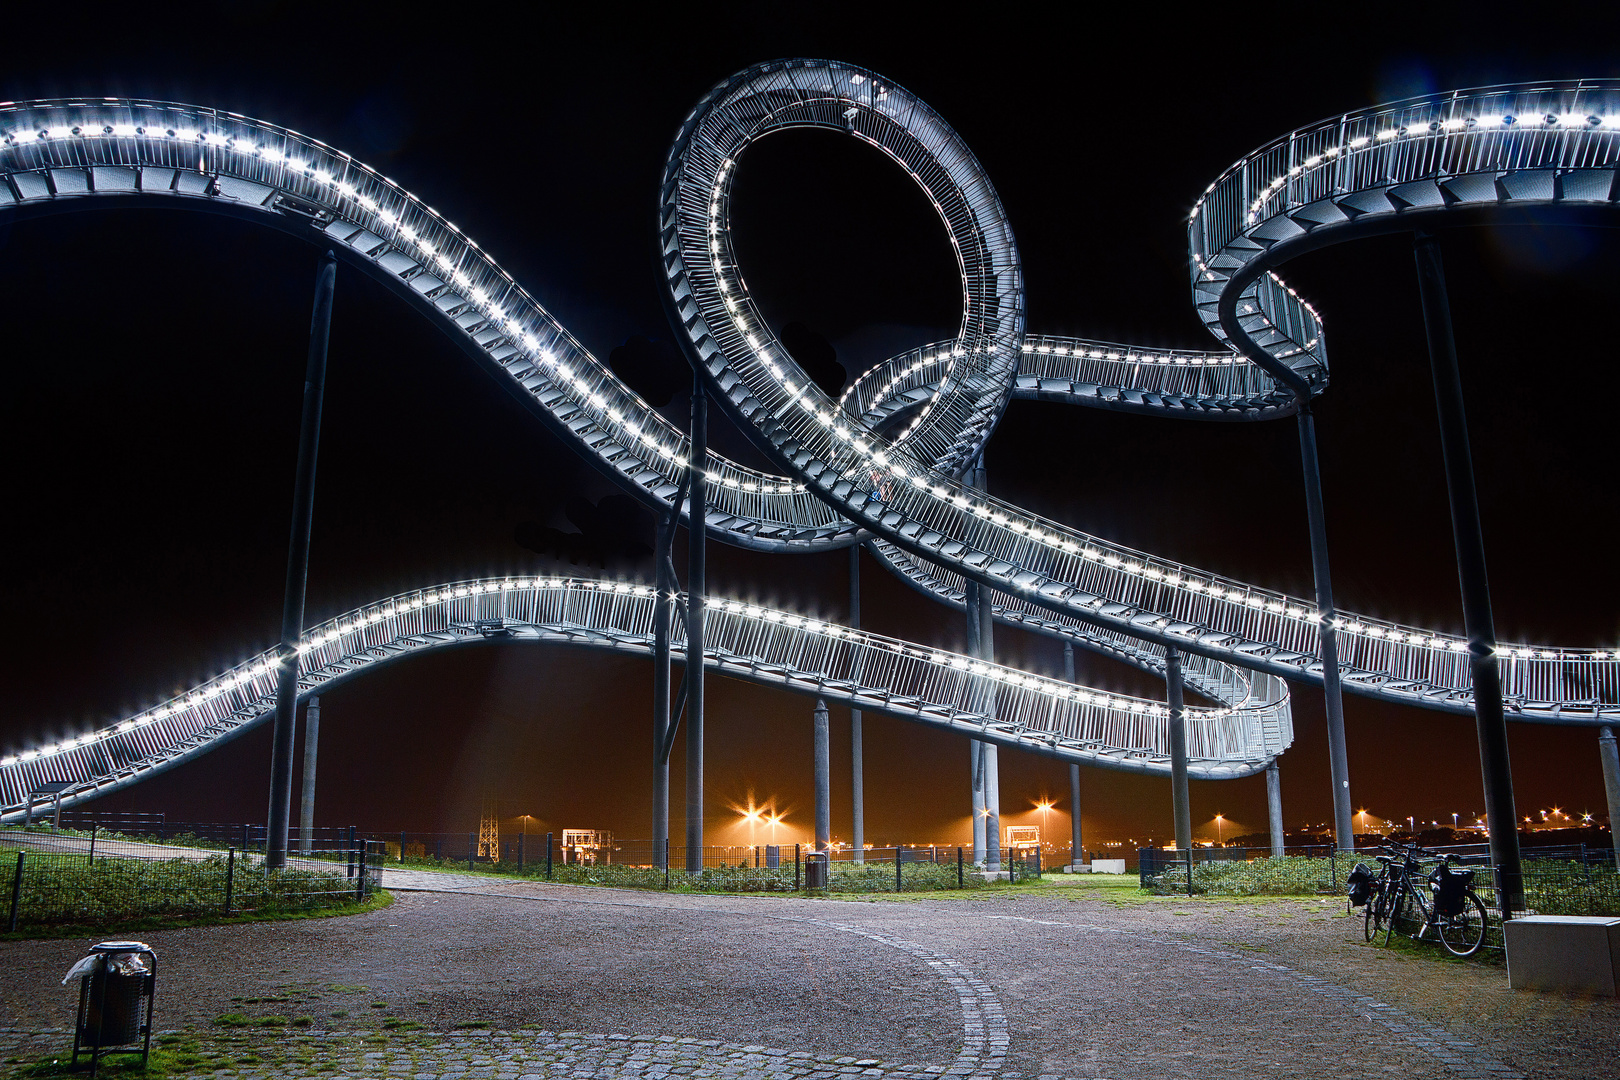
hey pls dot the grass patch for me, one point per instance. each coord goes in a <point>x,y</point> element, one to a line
<point>377,901</point>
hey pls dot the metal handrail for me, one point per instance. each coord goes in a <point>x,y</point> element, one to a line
<point>742,640</point>
<point>848,483</point>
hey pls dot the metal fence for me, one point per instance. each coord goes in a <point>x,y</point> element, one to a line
<point>1310,870</point>
<point>72,878</point>
<point>725,868</point>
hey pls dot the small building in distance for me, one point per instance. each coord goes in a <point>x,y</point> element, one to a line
<point>587,847</point>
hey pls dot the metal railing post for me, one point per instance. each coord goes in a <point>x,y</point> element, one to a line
<point>897,882</point>
<point>230,877</point>
<point>548,855</point>
<point>16,890</point>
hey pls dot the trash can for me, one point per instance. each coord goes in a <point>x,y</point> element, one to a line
<point>815,870</point>
<point>113,979</point>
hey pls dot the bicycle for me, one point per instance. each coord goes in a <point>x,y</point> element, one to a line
<point>1448,903</point>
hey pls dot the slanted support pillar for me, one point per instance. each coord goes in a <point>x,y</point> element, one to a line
<point>1610,756</point>
<point>698,527</point>
<point>823,777</point>
<point>292,605</point>
<point>1333,697</point>
<point>312,743</point>
<point>1478,621</point>
<point>857,773</point>
<point>1274,808</point>
<point>1179,802</point>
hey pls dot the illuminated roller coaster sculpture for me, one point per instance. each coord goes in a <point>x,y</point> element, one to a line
<point>884,466</point>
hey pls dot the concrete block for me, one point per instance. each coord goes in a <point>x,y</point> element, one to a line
<point>1579,953</point>
<point>1107,866</point>
<point>1077,868</point>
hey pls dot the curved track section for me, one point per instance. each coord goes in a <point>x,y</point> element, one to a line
<point>850,482</point>
<point>866,671</point>
<point>891,487</point>
<point>1397,167</point>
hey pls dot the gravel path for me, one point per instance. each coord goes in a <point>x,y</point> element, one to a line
<point>1057,984</point>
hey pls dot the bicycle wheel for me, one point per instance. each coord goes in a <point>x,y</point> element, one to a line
<point>1392,913</point>
<point>1373,917</point>
<point>1464,932</point>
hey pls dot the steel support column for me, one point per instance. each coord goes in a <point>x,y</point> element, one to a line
<point>1274,808</point>
<point>987,758</point>
<point>823,777</point>
<point>1609,755</point>
<point>1495,764</point>
<point>1179,802</point>
<point>306,805</point>
<point>698,530</point>
<point>857,767</point>
<point>976,761</point>
<point>1077,844</point>
<point>1332,696</point>
<point>292,605</point>
<point>663,608</point>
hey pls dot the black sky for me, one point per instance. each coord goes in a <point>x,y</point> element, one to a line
<point>155,359</point>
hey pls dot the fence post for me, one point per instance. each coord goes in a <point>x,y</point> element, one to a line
<point>960,883</point>
<point>548,858</point>
<point>230,877</point>
<point>897,869</point>
<point>520,851</point>
<point>1037,862</point>
<point>93,828</point>
<point>472,848</point>
<point>360,878</point>
<point>244,836</point>
<point>16,891</point>
<point>401,847</point>
<point>1189,871</point>
<point>795,867</point>
<point>1333,869</point>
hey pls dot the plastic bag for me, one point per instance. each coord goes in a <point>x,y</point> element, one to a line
<point>122,962</point>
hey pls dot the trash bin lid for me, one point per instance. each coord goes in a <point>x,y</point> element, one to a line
<point>121,946</point>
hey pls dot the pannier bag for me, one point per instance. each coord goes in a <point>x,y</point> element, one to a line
<point>1450,889</point>
<point>1360,883</point>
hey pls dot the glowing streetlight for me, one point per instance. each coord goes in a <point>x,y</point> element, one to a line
<point>751,815</point>
<point>1218,841</point>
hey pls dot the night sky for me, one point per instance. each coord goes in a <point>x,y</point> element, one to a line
<point>154,365</point>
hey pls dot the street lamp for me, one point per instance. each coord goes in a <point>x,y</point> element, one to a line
<point>751,815</point>
<point>1218,841</point>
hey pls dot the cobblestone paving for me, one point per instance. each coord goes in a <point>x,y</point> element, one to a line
<point>986,987</point>
<point>502,1056</point>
